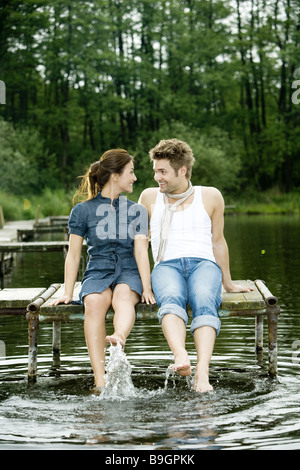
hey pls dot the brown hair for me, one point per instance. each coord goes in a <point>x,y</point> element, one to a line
<point>98,174</point>
<point>178,153</point>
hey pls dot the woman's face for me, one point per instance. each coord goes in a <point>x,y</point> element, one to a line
<point>127,178</point>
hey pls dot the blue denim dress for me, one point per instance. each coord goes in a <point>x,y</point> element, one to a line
<point>109,231</point>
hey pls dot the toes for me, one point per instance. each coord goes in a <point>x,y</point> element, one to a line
<point>182,369</point>
<point>114,340</point>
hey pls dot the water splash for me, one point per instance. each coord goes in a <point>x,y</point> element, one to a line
<point>172,375</point>
<point>118,383</point>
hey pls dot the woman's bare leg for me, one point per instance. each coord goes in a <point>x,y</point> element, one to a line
<point>123,303</point>
<point>96,306</point>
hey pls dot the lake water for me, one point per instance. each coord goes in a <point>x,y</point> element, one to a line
<point>246,410</point>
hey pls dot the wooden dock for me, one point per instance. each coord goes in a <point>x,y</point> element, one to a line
<point>52,224</point>
<point>34,304</point>
<point>20,236</point>
<point>9,248</point>
<point>12,231</point>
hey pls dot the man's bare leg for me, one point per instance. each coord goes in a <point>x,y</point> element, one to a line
<point>123,303</point>
<point>175,332</point>
<point>96,306</point>
<point>204,338</point>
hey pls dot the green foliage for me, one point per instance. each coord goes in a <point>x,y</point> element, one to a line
<point>25,165</point>
<point>269,202</point>
<point>85,76</point>
<point>217,157</point>
<point>50,202</point>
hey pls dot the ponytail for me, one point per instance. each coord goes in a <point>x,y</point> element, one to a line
<point>112,161</point>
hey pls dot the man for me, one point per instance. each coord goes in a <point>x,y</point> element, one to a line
<point>190,254</point>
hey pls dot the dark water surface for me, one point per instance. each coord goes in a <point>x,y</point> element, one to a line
<point>246,410</point>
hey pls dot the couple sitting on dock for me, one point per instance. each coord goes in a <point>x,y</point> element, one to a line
<point>188,246</point>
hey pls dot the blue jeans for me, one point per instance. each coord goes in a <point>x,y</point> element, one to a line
<point>193,281</point>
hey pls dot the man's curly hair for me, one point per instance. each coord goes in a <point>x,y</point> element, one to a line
<point>178,153</point>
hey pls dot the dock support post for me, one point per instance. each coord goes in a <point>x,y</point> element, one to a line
<point>33,329</point>
<point>32,316</point>
<point>56,343</point>
<point>259,333</point>
<point>273,313</point>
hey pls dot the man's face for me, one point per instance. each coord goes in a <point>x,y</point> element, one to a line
<point>166,176</point>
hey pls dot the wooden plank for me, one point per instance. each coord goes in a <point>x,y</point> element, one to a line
<point>59,219</point>
<point>19,298</point>
<point>34,306</point>
<point>53,220</point>
<point>243,300</point>
<point>61,311</point>
<point>248,303</point>
<point>60,292</point>
<point>242,313</point>
<point>33,246</point>
<point>269,298</point>
<point>231,302</point>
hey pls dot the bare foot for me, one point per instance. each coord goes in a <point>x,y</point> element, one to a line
<point>201,382</point>
<point>97,390</point>
<point>115,339</point>
<point>182,369</point>
<point>182,364</point>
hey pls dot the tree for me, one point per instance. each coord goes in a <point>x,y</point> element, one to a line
<point>91,75</point>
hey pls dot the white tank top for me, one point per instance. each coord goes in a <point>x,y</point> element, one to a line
<point>190,230</point>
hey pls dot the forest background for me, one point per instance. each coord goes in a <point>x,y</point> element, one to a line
<point>80,77</point>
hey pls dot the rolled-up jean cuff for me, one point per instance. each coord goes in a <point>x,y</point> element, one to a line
<point>172,308</point>
<point>206,320</point>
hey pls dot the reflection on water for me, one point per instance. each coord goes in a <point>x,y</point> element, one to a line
<point>246,410</point>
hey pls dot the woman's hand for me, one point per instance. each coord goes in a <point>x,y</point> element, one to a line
<point>65,299</point>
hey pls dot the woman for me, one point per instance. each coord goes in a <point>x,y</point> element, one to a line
<point>118,270</point>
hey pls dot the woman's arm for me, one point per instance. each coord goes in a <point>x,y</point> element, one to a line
<point>71,269</point>
<point>142,261</point>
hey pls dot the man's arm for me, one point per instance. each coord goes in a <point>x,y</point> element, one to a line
<point>220,247</point>
<point>147,198</point>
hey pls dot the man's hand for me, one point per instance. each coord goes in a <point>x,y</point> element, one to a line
<point>148,297</point>
<point>238,288</point>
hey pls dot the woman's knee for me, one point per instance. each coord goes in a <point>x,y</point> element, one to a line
<point>123,293</point>
<point>97,302</point>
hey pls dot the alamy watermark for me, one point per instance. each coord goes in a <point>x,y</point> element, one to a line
<point>296,94</point>
<point>296,87</point>
<point>296,353</point>
<point>2,92</point>
<point>130,221</point>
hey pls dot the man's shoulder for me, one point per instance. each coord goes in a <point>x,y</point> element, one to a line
<point>211,192</point>
<point>152,190</point>
<point>212,200</point>
<point>148,195</point>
